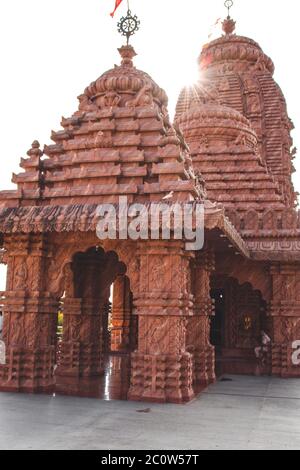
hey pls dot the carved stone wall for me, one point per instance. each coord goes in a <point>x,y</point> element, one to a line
<point>29,317</point>
<point>285,314</point>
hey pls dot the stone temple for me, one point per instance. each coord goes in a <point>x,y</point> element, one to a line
<point>175,319</point>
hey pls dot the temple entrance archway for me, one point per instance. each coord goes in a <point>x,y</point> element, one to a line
<point>240,316</point>
<point>97,308</point>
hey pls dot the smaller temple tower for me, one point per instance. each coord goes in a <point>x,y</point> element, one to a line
<point>241,76</point>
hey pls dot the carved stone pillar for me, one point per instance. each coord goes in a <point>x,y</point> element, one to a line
<point>29,314</point>
<point>121,315</point>
<point>161,368</point>
<point>198,330</point>
<point>285,313</point>
<point>81,346</point>
<point>106,336</point>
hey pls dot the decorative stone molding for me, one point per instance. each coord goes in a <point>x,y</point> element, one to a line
<point>237,51</point>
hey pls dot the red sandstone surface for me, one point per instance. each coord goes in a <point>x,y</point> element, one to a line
<point>177,317</point>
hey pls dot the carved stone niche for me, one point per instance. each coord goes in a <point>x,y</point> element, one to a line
<point>289,220</point>
<point>270,221</point>
<point>254,106</point>
<point>251,221</point>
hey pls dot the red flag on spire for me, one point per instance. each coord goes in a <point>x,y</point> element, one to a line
<point>118,3</point>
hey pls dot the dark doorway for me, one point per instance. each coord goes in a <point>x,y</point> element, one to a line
<point>240,313</point>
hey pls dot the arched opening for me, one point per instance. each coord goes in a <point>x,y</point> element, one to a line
<point>240,316</point>
<point>97,327</point>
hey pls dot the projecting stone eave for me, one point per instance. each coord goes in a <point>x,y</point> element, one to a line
<point>218,220</point>
<point>84,218</point>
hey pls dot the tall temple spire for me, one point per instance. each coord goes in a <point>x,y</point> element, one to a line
<point>228,24</point>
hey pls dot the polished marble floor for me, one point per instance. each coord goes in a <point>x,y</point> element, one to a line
<point>239,412</point>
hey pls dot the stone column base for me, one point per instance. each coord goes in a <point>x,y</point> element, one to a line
<point>27,371</point>
<point>204,367</point>
<point>79,360</point>
<point>161,378</point>
<point>282,361</point>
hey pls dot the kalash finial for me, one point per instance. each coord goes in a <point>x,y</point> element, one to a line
<point>228,24</point>
<point>129,24</point>
<point>127,53</point>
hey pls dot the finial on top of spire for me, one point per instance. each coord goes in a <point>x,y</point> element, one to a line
<point>127,53</point>
<point>228,24</point>
<point>128,25</point>
<point>35,149</point>
<point>228,4</point>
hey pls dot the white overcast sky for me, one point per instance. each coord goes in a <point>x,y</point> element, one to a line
<point>52,49</point>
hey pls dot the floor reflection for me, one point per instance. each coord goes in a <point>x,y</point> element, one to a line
<point>116,379</point>
<point>112,385</point>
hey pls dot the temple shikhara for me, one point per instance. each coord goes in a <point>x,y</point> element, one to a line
<point>149,320</point>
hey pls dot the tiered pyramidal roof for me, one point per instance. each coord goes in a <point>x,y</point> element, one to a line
<point>224,147</point>
<point>119,142</point>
